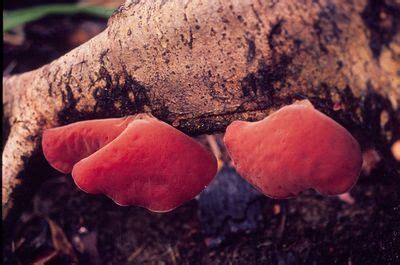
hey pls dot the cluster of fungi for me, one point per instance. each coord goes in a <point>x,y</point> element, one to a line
<point>140,160</point>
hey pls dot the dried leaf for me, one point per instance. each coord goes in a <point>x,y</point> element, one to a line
<point>46,258</point>
<point>60,240</point>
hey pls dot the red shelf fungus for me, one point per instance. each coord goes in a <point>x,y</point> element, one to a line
<point>64,146</point>
<point>144,162</point>
<point>294,149</point>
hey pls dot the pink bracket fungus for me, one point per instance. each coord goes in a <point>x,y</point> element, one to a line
<point>294,149</point>
<point>137,160</point>
<point>64,146</point>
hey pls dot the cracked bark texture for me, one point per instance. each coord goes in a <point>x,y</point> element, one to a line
<point>200,65</point>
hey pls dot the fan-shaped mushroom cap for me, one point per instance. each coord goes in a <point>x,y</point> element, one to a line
<point>294,149</point>
<point>150,164</point>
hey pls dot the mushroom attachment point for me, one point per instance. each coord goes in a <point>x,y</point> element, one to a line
<point>294,149</point>
<point>145,162</point>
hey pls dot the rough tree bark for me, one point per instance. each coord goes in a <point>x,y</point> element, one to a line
<point>201,64</point>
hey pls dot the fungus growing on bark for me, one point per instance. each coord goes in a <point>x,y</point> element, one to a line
<point>64,146</point>
<point>144,162</point>
<point>294,149</point>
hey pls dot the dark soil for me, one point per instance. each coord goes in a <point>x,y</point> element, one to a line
<point>229,224</point>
